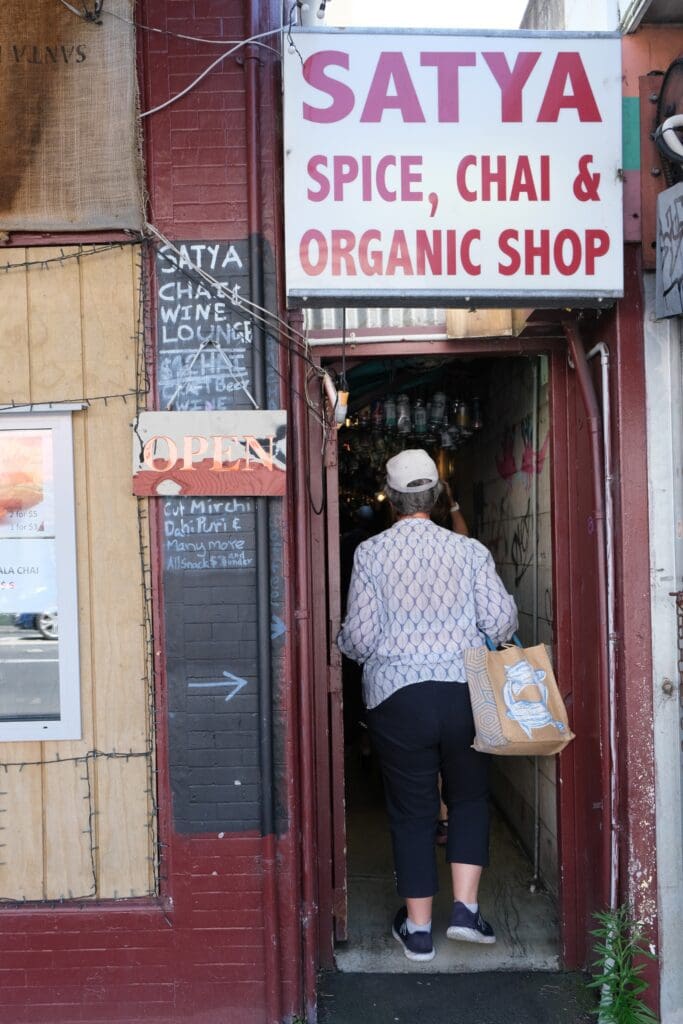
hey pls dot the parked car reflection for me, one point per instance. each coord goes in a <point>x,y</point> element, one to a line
<point>46,623</point>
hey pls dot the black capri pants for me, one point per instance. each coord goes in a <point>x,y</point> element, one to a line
<point>417,732</point>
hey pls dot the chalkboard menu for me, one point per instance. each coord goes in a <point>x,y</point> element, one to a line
<point>205,361</point>
<point>205,358</point>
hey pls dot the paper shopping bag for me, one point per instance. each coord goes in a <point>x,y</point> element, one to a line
<point>516,702</point>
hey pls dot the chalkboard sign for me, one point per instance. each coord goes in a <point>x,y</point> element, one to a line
<point>204,344</point>
<point>205,362</point>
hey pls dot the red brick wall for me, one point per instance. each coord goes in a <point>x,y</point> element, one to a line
<point>196,148</point>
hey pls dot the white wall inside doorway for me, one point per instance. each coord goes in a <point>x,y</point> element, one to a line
<point>506,497</point>
<point>663,369</point>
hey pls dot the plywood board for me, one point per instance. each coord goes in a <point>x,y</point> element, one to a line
<point>54,318</point>
<point>71,331</point>
<point>54,315</point>
<point>21,815</point>
<point>21,826</point>
<point>69,813</point>
<point>121,709</point>
<point>124,863</point>
<point>486,323</point>
<point>478,323</point>
<point>14,383</point>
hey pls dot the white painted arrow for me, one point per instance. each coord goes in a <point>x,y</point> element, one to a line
<point>230,680</point>
<point>277,627</point>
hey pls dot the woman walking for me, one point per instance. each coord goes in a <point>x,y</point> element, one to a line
<point>419,596</point>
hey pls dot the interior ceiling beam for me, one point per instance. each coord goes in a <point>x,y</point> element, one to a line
<point>482,348</point>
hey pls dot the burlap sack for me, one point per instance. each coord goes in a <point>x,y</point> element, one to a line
<point>516,702</point>
<point>69,159</point>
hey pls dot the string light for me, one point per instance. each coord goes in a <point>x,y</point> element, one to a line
<point>65,257</point>
<point>294,343</point>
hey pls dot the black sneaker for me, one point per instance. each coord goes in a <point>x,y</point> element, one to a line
<point>419,945</point>
<point>467,926</point>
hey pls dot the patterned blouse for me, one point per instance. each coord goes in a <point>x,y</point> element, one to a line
<point>419,596</point>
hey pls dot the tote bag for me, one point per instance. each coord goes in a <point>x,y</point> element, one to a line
<point>516,702</point>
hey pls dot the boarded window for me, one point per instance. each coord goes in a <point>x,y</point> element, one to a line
<point>78,815</point>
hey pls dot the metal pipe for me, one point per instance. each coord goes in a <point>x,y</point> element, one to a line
<point>593,420</point>
<point>304,673</point>
<point>271,924</point>
<point>535,882</point>
<point>602,349</point>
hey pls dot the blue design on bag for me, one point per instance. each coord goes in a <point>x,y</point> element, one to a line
<point>529,714</point>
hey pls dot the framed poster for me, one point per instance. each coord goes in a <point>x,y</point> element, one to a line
<point>39,668</point>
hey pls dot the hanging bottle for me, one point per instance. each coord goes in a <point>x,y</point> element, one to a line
<point>403,423</point>
<point>462,418</point>
<point>420,418</point>
<point>390,413</point>
<point>453,429</point>
<point>437,410</point>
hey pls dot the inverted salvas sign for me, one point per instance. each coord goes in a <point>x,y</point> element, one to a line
<point>454,169</point>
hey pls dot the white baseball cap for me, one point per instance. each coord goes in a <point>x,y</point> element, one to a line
<point>412,471</point>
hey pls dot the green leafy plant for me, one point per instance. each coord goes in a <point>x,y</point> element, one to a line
<point>621,958</point>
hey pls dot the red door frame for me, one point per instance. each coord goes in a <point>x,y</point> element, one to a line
<point>580,779</point>
<point>583,784</point>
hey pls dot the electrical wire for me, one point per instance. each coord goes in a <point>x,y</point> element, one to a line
<point>269,334</point>
<point>292,341</point>
<point>276,328</point>
<point>266,317</point>
<point>167,31</point>
<point>208,70</point>
<point>85,14</point>
<point>182,35</point>
<point>74,10</point>
<point>293,48</point>
<point>240,303</point>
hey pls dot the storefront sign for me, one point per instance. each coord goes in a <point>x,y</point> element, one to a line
<point>452,168</point>
<point>195,453</point>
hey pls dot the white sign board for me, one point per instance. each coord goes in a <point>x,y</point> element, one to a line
<point>178,453</point>
<point>452,168</point>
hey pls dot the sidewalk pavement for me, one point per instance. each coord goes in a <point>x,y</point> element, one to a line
<point>486,998</point>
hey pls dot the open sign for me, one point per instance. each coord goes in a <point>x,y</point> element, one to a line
<point>193,453</point>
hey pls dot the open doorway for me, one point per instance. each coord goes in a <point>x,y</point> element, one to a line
<point>485,420</point>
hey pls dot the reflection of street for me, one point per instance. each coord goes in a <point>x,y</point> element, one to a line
<point>29,675</point>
